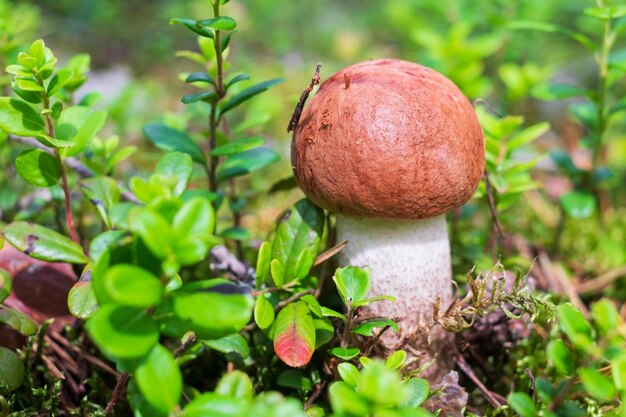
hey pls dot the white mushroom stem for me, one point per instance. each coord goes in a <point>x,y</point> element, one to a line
<point>409,259</point>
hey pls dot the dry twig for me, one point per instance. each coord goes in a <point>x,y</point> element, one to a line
<point>295,117</point>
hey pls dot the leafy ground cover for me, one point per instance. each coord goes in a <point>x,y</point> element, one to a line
<point>160,261</point>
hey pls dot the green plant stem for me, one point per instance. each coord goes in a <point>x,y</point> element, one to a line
<point>603,69</point>
<point>68,202</point>
<point>69,219</point>
<point>214,119</point>
<point>345,338</point>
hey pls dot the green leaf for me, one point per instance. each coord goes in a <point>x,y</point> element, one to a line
<point>18,321</point>
<point>527,135</point>
<point>247,94</point>
<point>236,233</point>
<point>551,92</point>
<point>103,193</point>
<point>18,118</point>
<point>564,161</point>
<point>11,369</point>
<point>300,229</point>
<point>178,167</point>
<point>366,328</point>
<point>618,370</point>
<point>236,79</point>
<point>30,96</point>
<point>77,126</point>
<point>277,270</point>
<point>395,360</point>
<point>235,384</point>
<point>206,96</point>
<point>58,81</point>
<point>195,218</point>
<point>37,51</point>
<point>28,84</point>
<point>324,331</point>
<point>346,401</point>
<point>294,334</point>
<point>19,70</point>
<point>304,262</point>
<point>349,373</point>
<point>353,283</point>
<point>80,65</point>
<point>263,312</point>
<point>605,315</point>
<point>42,243</point>
<point>154,230</point>
<point>560,356</point>
<point>263,264</point>
<point>369,301</point>
<point>123,332</point>
<point>218,23</point>
<point>246,162</point>
<point>578,204</point>
<point>419,390</point>
<point>159,379</point>
<point>200,77</point>
<point>191,25</point>
<point>131,285</point>
<point>606,12</point>
<point>195,304</point>
<point>596,384</point>
<point>295,378</point>
<point>214,405</point>
<point>326,312</point>
<point>575,325</point>
<point>170,139</point>
<point>233,343</point>
<point>5,282</point>
<point>81,300</point>
<point>104,241</point>
<point>90,99</point>
<point>345,353</point>
<point>550,28</point>
<point>238,146</point>
<point>522,404</point>
<point>545,390</point>
<point>38,167</point>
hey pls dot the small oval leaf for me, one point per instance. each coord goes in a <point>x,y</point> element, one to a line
<point>263,312</point>
<point>294,334</point>
<point>38,168</point>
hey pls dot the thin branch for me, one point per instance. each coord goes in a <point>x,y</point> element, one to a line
<point>492,207</point>
<point>118,391</point>
<point>327,254</point>
<point>375,340</point>
<point>295,117</point>
<point>185,345</point>
<point>601,281</point>
<point>494,399</point>
<point>293,298</point>
<point>319,389</point>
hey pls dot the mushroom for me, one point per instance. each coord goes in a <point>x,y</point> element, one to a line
<point>391,146</point>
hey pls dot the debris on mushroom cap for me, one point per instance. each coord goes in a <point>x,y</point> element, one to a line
<point>401,142</point>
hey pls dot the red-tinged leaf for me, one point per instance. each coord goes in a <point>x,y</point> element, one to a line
<point>294,334</point>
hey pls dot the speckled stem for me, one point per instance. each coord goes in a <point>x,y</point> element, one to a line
<point>410,260</point>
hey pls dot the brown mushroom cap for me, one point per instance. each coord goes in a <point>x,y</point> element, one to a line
<point>388,139</point>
